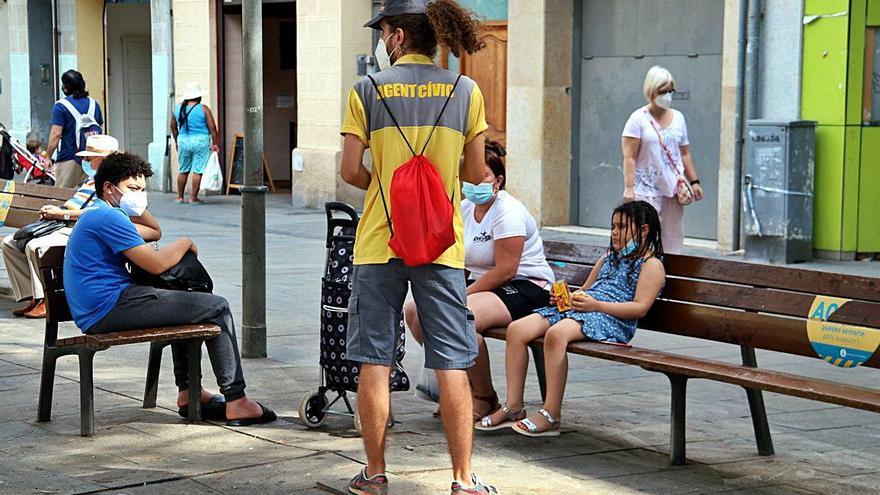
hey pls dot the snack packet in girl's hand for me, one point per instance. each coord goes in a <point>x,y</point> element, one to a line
<point>563,296</point>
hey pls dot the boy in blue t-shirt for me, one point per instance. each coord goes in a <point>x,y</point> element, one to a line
<point>103,298</point>
<point>62,136</point>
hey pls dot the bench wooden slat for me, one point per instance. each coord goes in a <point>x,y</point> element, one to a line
<point>758,378</point>
<point>182,332</point>
<point>760,331</point>
<point>738,272</point>
<point>40,190</point>
<point>19,218</point>
<point>774,301</point>
<point>33,204</point>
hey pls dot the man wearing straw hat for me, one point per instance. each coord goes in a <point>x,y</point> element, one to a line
<point>194,130</point>
<point>21,264</point>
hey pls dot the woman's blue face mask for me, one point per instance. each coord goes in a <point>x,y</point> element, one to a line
<point>479,194</point>
<point>88,170</point>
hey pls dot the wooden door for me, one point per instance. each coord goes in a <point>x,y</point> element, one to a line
<point>488,67</point>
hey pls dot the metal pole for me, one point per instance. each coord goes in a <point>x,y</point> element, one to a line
<point>752,57</point>
<point>740,122</point>
<point>253,193</point>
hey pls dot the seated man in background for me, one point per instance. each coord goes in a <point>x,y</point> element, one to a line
<point>103,298</point>
<point>22,265</point>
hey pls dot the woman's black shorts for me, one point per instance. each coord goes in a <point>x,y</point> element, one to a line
<point>521,297</point>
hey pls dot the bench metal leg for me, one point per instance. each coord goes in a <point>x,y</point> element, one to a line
<point>47,384</point>
<point>195,380</point>
<point>86,393</point>
<point>677,433</point>
<point>151,388</point>
<point>538,356</point>
<point>756,406</point>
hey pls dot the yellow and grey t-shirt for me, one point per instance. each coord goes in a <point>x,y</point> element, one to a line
<point>415,90</point>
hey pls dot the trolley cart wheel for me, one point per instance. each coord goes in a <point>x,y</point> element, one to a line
<point>312,411</point>
<point>357,421</point>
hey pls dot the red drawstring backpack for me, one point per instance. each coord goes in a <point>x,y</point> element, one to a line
<point>421,218</point>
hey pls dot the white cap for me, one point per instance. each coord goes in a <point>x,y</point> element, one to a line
<point>100,145</point>
<point>193,90</point>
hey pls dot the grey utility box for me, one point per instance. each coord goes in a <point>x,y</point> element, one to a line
<point>777,190</point>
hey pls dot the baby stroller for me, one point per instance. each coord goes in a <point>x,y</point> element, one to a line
<point>339,375</point>
<point>22,160</point>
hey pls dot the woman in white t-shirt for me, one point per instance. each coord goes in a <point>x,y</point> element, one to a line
<point>508,275</point>
<point>656,151</point>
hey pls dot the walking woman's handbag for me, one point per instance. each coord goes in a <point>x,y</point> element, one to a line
<point>421,214</point>
<point>683,190</point>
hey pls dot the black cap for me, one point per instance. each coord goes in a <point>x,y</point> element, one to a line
<point>392,8</point>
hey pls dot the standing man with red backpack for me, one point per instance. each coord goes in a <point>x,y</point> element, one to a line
<point>74,118</point>
<point>418,120</point>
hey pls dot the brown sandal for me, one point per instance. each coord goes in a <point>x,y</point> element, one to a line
<point>492,400</point>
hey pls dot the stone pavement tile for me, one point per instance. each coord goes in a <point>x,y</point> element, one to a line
<point>25,477</point>
<point>9,369</point>
<point>866,484</point>
<point>607,464</point>
<point>770,471</point>
<point>768,490</point>
<point>849,462</point>
<point>19,396</point>
<point>838,417</point>
<point>175,487</point>
<point>285,477</point>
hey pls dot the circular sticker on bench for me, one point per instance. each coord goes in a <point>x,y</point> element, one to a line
<point>839,344</point>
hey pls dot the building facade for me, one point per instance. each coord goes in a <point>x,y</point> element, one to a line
<point>560,78</point>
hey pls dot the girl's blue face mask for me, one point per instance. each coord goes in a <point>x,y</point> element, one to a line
<point>630,248</point>
<point>479,194</point>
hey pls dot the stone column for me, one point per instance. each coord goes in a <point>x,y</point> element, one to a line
<point>163,79</point>
<point>89,48</point>
<point>329,37</point>
<point>539,107</point>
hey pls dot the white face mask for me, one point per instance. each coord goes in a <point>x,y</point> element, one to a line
<point>383,58</point>
<point>133,203</point>
<point>664,100</point>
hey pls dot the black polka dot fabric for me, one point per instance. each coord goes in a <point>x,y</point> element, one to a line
<point>340,372</point>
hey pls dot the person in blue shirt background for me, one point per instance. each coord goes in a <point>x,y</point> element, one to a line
<point>103,298</point>
<point>63,135</point>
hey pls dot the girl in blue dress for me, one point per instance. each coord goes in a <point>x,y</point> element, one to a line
<point>620,289</point>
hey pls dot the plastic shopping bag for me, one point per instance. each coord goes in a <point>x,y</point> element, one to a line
<point>428,388</point>
<point>212,179</point>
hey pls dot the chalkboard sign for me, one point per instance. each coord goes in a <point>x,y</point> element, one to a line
<point>235,170</point>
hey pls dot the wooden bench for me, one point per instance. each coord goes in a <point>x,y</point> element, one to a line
<point>85,346</point>
<point>751,306</point>
<point>28,199</point>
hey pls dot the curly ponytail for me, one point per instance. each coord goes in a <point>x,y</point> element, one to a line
<point>455,26</point>
<point>446,23</point>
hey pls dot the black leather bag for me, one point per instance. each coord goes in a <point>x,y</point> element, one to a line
<point>41,228</point>
<point>188,274</point>
<point>31,231</point>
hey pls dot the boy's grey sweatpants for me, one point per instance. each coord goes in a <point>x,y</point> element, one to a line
<point>141,307</point>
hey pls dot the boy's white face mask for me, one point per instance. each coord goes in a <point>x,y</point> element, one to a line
<point>383,58</point>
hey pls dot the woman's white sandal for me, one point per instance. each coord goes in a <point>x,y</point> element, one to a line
<point>532,429</point>
<point>485,424</point>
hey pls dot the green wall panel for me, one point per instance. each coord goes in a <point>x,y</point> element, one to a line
<point>823,97</point>
<point>869,192</point>
<point>852,160</point>
<point>873,16</point>
<point>816,7</point>
<point>855,81</point>
<point>828,188</point>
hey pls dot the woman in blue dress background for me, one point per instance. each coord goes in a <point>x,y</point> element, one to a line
<point>195,133</point>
